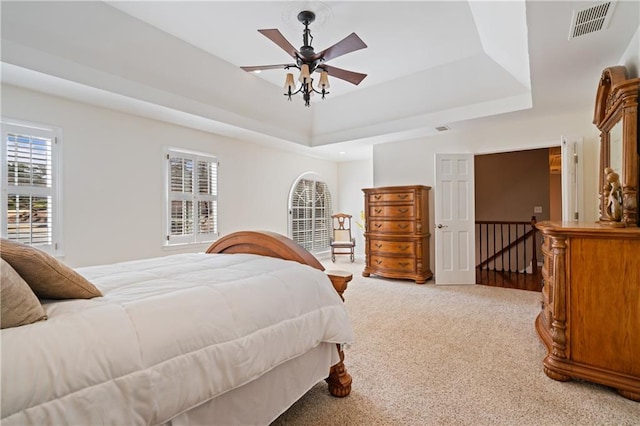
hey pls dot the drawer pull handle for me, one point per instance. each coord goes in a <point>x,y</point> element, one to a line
<point>403,210</point>
<point>377,197</point>
<point>403,226</point>
<point>403,263</point>
<point>403,196</point>
<point>378,225</point>
<point>404,247</point>
<point>379,262</point>
<point>378,211</point>
<point>379,245</point>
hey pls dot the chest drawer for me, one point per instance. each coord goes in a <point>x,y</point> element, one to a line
<point>392,197</point>
<point>399,212</point>
<point>393,247</point>
<point>393,226</point>
<point>399,264</point>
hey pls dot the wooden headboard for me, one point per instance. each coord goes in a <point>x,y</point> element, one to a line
<point>264,243</point>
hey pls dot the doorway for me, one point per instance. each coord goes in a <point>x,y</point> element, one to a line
<point>516,187</point>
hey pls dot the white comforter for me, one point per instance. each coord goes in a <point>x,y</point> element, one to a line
<point>169,334</point>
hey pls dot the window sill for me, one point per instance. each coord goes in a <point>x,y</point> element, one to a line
<point>188,246</point>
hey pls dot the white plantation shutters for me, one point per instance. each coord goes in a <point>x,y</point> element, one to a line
<point>29,185</point>
<point>192,198</point>
<point>310,210</point>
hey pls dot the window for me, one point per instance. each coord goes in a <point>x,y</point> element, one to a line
<point>192,197</point>
<point>310,210</point>
<point>30,189</point>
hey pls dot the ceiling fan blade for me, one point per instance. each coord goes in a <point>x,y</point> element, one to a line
<point>350,76</point>
<point>267,67</point>
<point>348,44</point>
<point>276,36</point>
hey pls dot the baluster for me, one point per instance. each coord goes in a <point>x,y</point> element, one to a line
<point>517,251</point>
<point>494,245</point>
<point>534,260</point>
<point>524,248</point>
<point>487,229</point>
<point>510,250</point>
<point>502,246</point>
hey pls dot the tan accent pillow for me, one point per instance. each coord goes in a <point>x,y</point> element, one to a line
<point>47,277</point>
<point>18,304</point>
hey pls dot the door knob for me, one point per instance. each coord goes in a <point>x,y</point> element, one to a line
<point>442,226</point>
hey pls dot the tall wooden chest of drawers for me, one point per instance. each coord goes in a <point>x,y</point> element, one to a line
<point>397,232</point>
<point>590,317</point>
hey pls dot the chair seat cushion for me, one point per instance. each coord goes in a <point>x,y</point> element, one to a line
<point>342,244</point>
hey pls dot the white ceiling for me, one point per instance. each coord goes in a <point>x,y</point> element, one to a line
<point>429,64</point>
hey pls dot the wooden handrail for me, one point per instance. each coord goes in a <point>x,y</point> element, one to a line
<point>505,222</point>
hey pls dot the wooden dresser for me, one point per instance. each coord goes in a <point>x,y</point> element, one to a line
<point>590,319</point>
<point>397,232</point>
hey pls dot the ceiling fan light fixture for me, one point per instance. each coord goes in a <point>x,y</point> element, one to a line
<point>289,85</point>
<point>308,61</point>
<point>324,80</point>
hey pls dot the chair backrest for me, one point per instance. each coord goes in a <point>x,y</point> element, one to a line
<point>341,227</point>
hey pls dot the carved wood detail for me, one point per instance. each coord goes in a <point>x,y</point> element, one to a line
<point>617,102</point>
<point>589,319</point>
<point>559,322</point>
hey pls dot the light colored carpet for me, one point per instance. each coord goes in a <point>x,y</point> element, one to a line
<point>451,355</point>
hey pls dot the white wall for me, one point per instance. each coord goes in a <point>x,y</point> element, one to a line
<point>352,177</point>
<point>631,57</point>
<point>113,177</point>
<point>412,162</point>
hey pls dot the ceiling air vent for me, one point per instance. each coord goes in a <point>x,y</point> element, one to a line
<point>591,20</point>
<point>442,128</point>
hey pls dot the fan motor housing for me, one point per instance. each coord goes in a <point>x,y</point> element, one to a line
<point>307,51</point>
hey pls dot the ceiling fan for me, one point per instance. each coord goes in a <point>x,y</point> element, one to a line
<point>308,61</point>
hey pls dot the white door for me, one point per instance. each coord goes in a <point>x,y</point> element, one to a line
<point>454,219</point>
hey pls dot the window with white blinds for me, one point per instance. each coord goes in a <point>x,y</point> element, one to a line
<point>192,197</point>
<point>29,185</point>
<point>310,214</point>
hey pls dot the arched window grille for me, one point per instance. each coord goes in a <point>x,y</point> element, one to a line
<point>310,213</point>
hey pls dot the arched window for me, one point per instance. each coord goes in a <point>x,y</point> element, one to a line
<point>310,213</point>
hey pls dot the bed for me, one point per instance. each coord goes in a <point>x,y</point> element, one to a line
<point>231,336</point>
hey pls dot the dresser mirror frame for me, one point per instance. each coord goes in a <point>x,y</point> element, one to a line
<point>616,116</point>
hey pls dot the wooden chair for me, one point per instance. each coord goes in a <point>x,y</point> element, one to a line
<point>341,241</point>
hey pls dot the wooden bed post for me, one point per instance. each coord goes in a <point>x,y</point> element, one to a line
<point>339,380</point>
<point>266,243</point>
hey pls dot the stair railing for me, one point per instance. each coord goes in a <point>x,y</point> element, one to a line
<point>504,246</point>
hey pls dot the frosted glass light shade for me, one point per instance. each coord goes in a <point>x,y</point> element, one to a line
<point>324,80</point>
<point>289,84</point>
<point>304,73</point>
